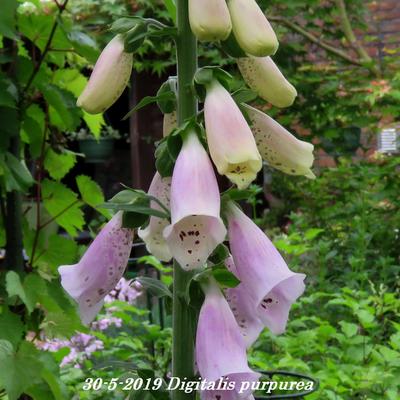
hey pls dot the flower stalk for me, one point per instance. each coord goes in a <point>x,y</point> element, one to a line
<point>183,317</point>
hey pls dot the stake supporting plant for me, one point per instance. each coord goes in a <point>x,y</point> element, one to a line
<point>183,318</point>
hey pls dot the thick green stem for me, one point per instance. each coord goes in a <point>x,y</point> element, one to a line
<point>183,315</point>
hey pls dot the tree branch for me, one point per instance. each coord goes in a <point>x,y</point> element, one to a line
<point>352,39</point>
<point>314,39</point>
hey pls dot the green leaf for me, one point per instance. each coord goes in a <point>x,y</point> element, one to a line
<point>154,286</point>
<point>170,86</point>
<point>349,329</point>
<point>220,254</point>
<point>140,207</point>
<point>171,7</point>
<point>9,126</point>
<point>33,127</point>
<point>19,369</point>
<point>91,192</point>
<point>135,37</point>
<point>84,45</point>
<point>11,327</point>
<point>167,96</point>
<point>224,277</point>
<point>64,113</point>
<point>7,18</point>
<point>8,92</point>
<point>134,220</point>
<point>63,205</point>
<point>14,287</point>
<point>94,122</point>
<point>59,164</point>
<point>19,171</point>
<point>166,154</point>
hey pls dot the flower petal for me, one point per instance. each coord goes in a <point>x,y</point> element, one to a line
<point>263,76</point>
<point>152,235</point>
<point>230,140</point>
<point>196,227</point>
<point>262,270</point>
<point>252,30</point>
<point>220,348</point>
<point>100,268</point>
<point>279,147</point>
<point>109,78</point>
<point>210,20</point>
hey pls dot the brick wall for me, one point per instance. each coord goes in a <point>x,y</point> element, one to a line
<point>385,28</point>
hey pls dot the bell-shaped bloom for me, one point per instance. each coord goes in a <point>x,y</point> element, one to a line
<point>230,140</point>
<point>169,123</point>
<point>210,20</point>
<point>263,76</point>
<point>152,235</point>
<point>251,28</point>
<point>220,348</point>
<point>243,307</point>
<point>100,268</point>
<point>262,270</point>
<point>279,147</point>
<point>109,78</point>
<point>196,227</point>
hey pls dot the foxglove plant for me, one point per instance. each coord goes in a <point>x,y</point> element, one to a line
<point>193,228</point>
<point>196,227</point>
<point>210,20</point>
<point>152,235</point>
<point>100,268</point>
<point>252,30</point>
<point>279,147</point>
<point>263,76</point>
<point>272,286</point>
<point>230,140</point>
<point>220,347</point>
<point>109,78</point>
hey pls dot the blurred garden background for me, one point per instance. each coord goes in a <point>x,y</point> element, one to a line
<point>341,229</point>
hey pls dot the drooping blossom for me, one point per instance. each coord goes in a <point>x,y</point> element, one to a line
<point>100,268</point>
<point>230,140</point>
<point>196,227</point>
<point>126,290</point>
<point>252,30</point>
<point>220,347</point>
<point>169,123</point>
<point>279,147</point>
<point>262,270</point>
<point>152,235</point>
<point>210,20</point>
<point>263,76</point>
<point>109,78</point>
<point>243,307</point>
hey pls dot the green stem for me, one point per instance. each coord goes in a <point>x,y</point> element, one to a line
<point>183,315</point>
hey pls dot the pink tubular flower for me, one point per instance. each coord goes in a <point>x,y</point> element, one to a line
<point>230,140</point>
<point>279,147</point>
<point>263,76</point>
<point>243,307</point>
<point>252,30</point>
<point>196,227</point>
<point>210,20</point>
<point>109,78</point>
<point>220,348</point>
<point>100,268</point>
<point>262,270</point>
<point>152,235</point>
